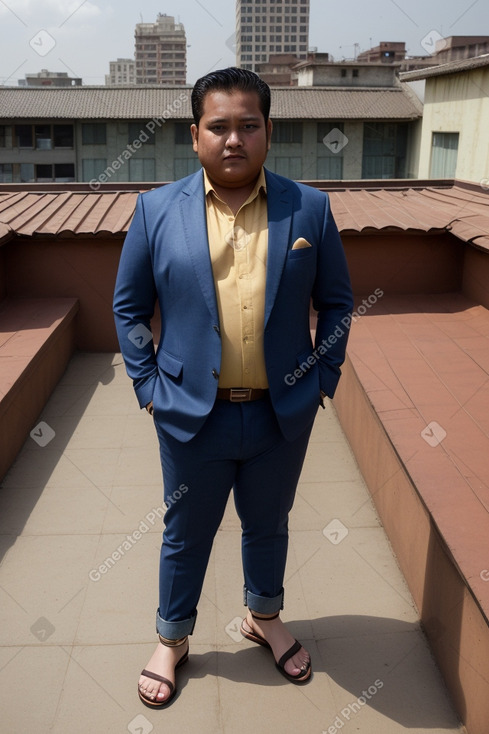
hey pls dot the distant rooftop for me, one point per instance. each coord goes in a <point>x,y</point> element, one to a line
<point>146,102</point>
<point>452,67</point>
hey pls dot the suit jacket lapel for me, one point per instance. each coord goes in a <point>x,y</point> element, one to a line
<point>192,209</point>
<point>280,203</point>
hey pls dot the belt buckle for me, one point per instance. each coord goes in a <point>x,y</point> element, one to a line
<point>239,394</point>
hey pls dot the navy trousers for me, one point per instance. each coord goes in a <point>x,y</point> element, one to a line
<point>240,447</point>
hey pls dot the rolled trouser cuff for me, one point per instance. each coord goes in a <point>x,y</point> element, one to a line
<point>263,604</point>
<point>175,630</point>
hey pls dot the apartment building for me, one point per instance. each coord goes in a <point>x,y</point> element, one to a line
<point>161,52</point>
<point>265,27</point>
<point>117,134</point>
<point>122,71</point>
<point>45,78</point>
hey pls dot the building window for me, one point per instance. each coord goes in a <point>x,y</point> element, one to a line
<point>331,143</point>
<point>330,168</point>
<point>23,136</point>
<point>64,172</point>
<point>6,173</point>
<point>183,135</point>
<point>47,172</point>
<point>93,168</point>
<point>142,169</point>
<point>444,153</point>
<point>355,73</point>
<point>94,133</point>
<point>138,131</point>
<point>27,173</point>
<point>63,136</point>
<point>287,132</point>
<point>46,137</point>
<point>5,136</point>
<point>326,130</point>
<point>289,166</point>
<point>185,166</point>
<point>42,135</point>
<point>384,150</point>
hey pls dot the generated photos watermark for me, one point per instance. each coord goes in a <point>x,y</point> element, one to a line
<point>352,709</point>
<point>335,531</point>
<point>143,137</point>
<point>133,538</point>
<point>433,434</point>
<point>42,434</point>
<point>339,332</point>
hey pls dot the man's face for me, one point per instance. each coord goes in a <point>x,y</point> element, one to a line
<point>232,139</point>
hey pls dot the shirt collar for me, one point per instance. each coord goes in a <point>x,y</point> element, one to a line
<point>261,185</point>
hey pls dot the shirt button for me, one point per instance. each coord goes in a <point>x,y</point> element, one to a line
<point>215,374</point>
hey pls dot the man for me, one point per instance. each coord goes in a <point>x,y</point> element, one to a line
<point>233,254</point>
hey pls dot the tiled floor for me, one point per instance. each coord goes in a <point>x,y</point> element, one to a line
<point>74,638</point>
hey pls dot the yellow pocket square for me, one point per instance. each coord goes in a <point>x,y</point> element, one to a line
<point>300,244</point>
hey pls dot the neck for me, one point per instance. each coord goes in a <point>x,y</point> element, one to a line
<point>234,197</point>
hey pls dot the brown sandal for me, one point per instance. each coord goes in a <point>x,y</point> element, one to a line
<point>305,673</point>
<point>152,703</point>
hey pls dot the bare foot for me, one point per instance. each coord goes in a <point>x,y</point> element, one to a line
<point>280,640</point>
<point>162,662</point>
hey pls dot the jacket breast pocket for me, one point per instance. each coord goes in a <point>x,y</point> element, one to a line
<point>170,364</point>
<point>301,253</point>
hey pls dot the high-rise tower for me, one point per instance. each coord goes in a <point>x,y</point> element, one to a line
<point>161,52</point>
<point>265,27</point>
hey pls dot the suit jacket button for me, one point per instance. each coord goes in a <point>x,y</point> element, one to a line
<point>217,329</point>
<point>215,374</point>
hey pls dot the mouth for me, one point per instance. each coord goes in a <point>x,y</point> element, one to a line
<point>234,157</point>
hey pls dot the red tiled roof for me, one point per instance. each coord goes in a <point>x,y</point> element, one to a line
<point>458,209</point>
<point>461,211</point>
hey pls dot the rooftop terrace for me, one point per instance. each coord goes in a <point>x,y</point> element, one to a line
<point>413,405</point>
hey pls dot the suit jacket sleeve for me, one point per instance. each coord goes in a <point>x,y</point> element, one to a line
<point>332,298</point>
<point>134,304</point>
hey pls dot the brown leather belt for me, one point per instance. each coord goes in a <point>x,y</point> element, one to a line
<point>240,394</point>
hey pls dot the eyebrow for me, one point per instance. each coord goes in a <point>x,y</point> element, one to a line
<point>247,118</point>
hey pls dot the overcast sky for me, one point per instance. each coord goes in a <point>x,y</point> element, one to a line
<point>81,37</point>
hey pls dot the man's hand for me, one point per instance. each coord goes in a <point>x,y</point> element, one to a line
<point>149,408</point>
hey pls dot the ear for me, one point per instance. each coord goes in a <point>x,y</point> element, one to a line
<point>269,133</point>
<point>195,137</point>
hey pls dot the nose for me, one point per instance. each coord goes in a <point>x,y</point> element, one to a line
<point>233,140</point>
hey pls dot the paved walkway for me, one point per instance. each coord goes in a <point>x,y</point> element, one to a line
<point>80,537</point>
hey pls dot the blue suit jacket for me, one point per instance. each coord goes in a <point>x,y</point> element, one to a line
<point>166,257</point>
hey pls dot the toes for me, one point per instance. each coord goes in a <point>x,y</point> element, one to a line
<point>153,690</point>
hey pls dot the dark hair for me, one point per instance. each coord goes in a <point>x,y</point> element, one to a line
<point>228,80</point>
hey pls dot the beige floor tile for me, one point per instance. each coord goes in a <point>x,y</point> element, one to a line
<point>122,590</point>
<point>138,466</point>
<point>31,680</point>
<point>317,503</point>
<point>356,575</point>
<point>132,505</point>
<point>330,462</point>
<point>62,511</point>
<point>44,580</point>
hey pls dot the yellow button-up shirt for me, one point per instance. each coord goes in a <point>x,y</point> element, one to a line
<point>238,247</point>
